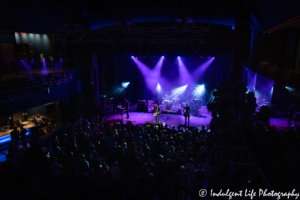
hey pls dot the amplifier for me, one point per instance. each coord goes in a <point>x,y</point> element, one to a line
<point>142,105</point>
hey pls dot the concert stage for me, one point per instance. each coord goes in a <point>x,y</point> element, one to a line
<point>280,123</point>
<point>169,119</point>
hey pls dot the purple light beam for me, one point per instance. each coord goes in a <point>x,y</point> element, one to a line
<point>197,73</point>
<point>184,75</point>
<point>28,68</point>
<point>59,64</point>
<point>44,70</point>
<point>151,76</point>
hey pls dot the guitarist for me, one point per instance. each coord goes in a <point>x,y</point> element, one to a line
<point>156,112</point>
<point>187,114</point>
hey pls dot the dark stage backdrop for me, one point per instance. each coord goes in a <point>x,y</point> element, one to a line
<point>123,68</point>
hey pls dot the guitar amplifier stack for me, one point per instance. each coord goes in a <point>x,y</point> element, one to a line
<point>142,106</point>
<point>197,104</point>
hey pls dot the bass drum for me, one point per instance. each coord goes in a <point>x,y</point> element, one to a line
<point>169,106</point>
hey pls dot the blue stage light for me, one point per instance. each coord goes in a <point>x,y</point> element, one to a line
<point>158,88</point>
<point>199,91</point>
<point>179,91</point>
<point>125,84</point>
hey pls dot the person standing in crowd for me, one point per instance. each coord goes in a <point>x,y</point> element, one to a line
<point>39,120</point>
<point>181,183</point>
<point>126,105</point>
<point>14,135</point>
<point>23,132</point>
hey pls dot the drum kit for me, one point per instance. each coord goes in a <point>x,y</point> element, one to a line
<point>165,102</point>
<point>169,101</point>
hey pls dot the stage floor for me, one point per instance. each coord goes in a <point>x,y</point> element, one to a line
<point>169,119</point>
<point>281,123</point>
<point>26,125</point>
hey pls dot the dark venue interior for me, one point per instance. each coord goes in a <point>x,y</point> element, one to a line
<point>161,100</point>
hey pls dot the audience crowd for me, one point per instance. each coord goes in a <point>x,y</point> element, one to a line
<point>94,158</point>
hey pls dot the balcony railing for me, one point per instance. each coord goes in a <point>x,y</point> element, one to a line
<point>23,69</point>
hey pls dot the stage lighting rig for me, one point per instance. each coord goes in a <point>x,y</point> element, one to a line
<point>158,87</point>
<point>125,84</point>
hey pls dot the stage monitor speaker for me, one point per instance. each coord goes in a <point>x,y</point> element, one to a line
<point>149,123</point>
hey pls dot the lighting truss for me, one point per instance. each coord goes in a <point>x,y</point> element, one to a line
<point>134,35</point>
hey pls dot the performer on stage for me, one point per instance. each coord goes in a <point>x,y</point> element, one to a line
<point>187,114</point>
<point>38,120</point>
<point>156,112</point>
<point>126,105</point>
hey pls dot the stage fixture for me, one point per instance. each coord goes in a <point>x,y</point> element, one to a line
<point>158,88</point>
<point>125,84</point>
<point>199,91</point>
<point>290,88</point>
<point>124,36</point>
<point>142,106</point>
<point>179,91</point>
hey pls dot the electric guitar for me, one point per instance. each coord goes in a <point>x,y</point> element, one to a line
<point>184,114</point>
<point>156,113</point>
